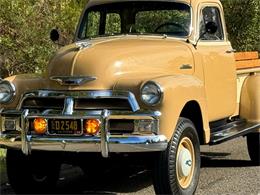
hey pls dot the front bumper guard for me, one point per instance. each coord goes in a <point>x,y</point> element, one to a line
<point>104,143</point>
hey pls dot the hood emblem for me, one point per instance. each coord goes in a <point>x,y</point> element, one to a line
<point>72,80</point>
<point>83,44</point>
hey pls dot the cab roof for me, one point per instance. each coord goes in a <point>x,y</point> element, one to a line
<point>189,2</point>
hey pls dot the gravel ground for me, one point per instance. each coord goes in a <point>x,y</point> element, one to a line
<point>226,169</point>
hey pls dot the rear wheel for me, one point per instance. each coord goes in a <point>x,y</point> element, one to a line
<point>253,146</point>
<point>36,173</point>
<point>177,169</point>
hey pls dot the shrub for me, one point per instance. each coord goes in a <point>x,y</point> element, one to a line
<point>24,31</point>
<point>242,18</point>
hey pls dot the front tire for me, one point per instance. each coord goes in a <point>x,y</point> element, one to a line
<point>253,146</point>
<point>33,174</point>
<point>177,169</point>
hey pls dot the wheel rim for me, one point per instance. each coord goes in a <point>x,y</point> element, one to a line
<point>185,163</point>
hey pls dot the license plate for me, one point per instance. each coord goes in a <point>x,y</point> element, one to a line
<point>64,127</point>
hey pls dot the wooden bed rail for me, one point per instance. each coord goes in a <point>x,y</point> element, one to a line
<point>245,60</point>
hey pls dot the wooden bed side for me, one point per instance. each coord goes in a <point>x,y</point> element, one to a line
<point>245,60</point>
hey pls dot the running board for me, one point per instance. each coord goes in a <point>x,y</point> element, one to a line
<point>232,131</point>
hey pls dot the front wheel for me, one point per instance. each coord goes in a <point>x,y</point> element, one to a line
<point>33,174</point>
<point>177,169</point>
<point>253,146</point>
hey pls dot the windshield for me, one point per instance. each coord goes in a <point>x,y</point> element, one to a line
<point>167,18</point>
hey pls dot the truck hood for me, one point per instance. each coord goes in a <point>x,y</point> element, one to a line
<point>110,60</point>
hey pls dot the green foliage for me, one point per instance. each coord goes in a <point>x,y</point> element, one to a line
<point>93,25</point>
<point>242,18</point>
<point>147,21</point>
<point>2,155</point>
<point>25,25</point>
<point>113,20</point>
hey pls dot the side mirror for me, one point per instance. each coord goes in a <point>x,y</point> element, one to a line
<point>54,35</point>
<point>211,27</point>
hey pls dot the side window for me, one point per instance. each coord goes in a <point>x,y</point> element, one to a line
<point>92,28</point>
<point>211,14</point>
<point>113,24</point>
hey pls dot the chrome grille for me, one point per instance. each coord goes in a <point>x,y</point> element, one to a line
<point>80,100</point>
<point>43,103</point>
<point>100,104</point>
<point>121,126</point>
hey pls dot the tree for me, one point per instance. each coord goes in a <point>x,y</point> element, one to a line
<point>242,18</point>
<point>25,25</point>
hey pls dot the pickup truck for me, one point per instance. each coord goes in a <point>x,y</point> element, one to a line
<point>152,77</point>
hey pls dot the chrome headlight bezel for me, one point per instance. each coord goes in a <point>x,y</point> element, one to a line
<point>9,94</point>
<point>154,90</point>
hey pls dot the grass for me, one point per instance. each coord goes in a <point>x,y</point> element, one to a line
<point>3,176</point>
<point>2,154</point>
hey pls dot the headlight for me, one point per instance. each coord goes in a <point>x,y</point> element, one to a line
<point>151,93</point>
<point>7,91</point>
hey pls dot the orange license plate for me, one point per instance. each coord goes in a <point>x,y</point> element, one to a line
<point>64,127</point>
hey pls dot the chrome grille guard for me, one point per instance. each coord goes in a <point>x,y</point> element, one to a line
<point>103,143</point>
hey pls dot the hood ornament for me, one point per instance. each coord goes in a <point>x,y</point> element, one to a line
<point>72,80</point>
<point>83,44</point>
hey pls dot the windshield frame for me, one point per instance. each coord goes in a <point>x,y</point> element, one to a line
<point>84,15</point>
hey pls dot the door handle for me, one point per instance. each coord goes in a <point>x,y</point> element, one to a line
<point>185,66</point>
<point>231,51</point>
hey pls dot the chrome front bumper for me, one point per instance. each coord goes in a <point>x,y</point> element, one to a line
<point>104,143</point>
<point>88,144</point>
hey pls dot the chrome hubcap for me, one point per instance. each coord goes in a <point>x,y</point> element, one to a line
<point>184,162</point>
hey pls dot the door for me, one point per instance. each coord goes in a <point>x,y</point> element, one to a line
<point>218,63</point>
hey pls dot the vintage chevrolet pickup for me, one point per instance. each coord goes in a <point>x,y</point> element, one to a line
<point>155,77</point>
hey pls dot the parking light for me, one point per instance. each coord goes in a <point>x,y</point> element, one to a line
<point>92,126</point>
<point>40,125</point>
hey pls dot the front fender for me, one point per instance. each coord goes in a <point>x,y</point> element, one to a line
<point>24,83</point>
<point>178,91</point>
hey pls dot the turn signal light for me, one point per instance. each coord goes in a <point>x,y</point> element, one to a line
<point>92,126</point>
<point>40,125</point>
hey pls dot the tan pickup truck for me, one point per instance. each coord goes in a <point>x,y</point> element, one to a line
<point>153,77</point>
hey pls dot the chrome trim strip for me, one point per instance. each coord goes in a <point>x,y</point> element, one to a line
<point>24,131</point>
<point>104,134</point>
<point>130,143</point>
<point>72,80</point>
<point>133,102</point>
<point>83,94</point>
<point>68,106</point>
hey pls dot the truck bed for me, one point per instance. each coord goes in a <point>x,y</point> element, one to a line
<point>246,63</point>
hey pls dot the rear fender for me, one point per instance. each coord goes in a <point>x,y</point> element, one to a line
<point>250,99</point>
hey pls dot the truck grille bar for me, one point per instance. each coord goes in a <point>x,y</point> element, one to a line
<point>67,102</point>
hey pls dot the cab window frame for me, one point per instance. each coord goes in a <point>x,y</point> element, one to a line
<point>83,20</point>
<point>221,18</point>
